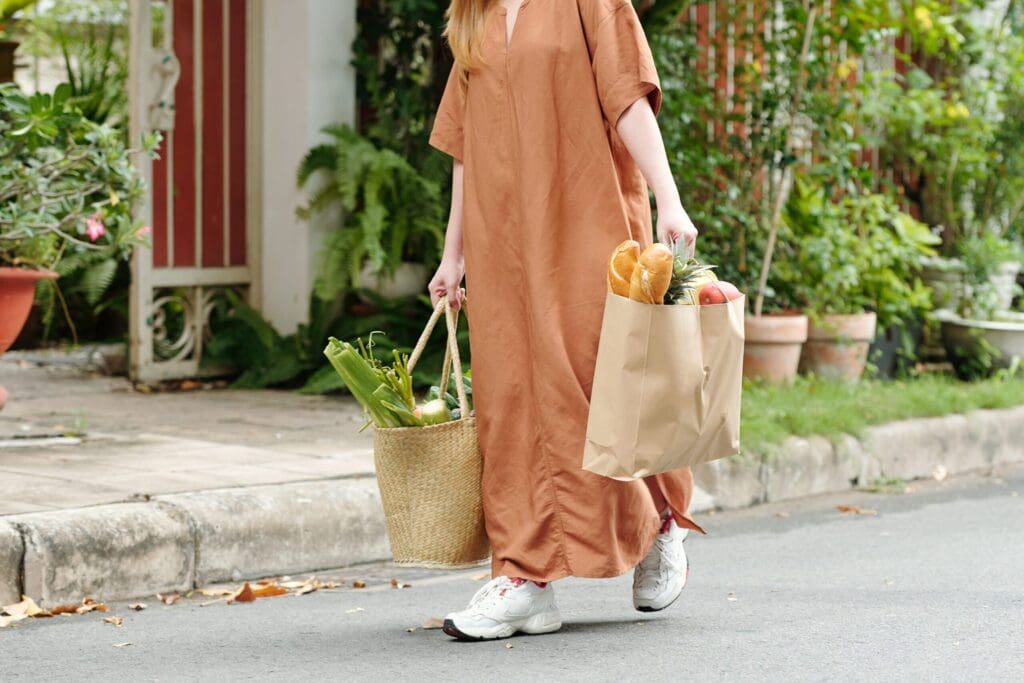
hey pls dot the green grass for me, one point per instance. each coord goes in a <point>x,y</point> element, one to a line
<point>816,407</point>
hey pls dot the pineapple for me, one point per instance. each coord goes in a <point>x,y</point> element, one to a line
<point>688,276</point>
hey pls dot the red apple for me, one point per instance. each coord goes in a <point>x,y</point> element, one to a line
<point>718,293</point>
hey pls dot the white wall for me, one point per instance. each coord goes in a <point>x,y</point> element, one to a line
<point>308,83</point>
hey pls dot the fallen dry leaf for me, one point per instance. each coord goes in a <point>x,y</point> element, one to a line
<point>89,605</point>
<point>359,584</point>
<point>782,514</point>
<point>411,629</point>
<point>121,644</point>
<point>27,607</point>
<point>6,622</point>
<point>940,473</point>
<point>168,599</point>
<point>509,646</point>
<point>354,610</point>
<point>243,594</point>
<point>114,621</point>
<point>216,592</point>
<point>394,583</point>
<point>731,597</point>
<point>65,610</point>
<point>855,510</point>
<point>20,609</point>
<point>306,589</point>
<point>432,623</point>
<point>137,607</point>
<point>270,591</point>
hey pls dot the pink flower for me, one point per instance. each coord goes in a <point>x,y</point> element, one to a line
<point>143,231</point>
<point>94,228</point>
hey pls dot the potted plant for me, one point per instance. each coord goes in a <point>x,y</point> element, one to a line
<point>992,263</point>
<point>847,263</point>
<point>66,191</point>
<point>389,232</point>
<point>983,335</point>
<point>892,281</point>
<point>9,10</point>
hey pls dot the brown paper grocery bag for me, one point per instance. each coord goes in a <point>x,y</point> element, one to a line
<point>667,388</point>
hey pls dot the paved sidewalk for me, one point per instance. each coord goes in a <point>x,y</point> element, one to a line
<point>70,438</point>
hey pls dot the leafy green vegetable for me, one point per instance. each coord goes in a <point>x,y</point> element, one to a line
<point>384,392</point>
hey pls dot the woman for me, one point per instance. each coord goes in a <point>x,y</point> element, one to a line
<point>549,115</point>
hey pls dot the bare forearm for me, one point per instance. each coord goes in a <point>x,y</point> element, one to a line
<point>453,236</point>
<point>639,130</point>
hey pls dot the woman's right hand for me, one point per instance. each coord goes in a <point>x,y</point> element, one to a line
<point>448,280</point>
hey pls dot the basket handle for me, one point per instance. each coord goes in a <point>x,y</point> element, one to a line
<point>452,359</point>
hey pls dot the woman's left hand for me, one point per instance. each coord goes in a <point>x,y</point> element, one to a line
<point>675,226</point>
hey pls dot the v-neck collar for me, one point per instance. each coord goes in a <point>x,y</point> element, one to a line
<point>509,35</point>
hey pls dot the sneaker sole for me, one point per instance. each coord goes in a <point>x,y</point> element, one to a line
<point>534,626</point>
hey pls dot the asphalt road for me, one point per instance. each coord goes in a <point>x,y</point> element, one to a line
<point>930,588</point>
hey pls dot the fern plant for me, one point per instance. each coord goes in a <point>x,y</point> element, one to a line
<point>390,212</point>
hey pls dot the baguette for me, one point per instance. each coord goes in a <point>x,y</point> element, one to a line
<point>621,267</point>
<point>653,275</point>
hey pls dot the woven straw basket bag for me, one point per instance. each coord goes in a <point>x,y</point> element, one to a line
<point>429,477</point>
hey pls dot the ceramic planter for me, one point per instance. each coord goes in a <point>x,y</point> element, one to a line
<point>17,291</point>
<point>966,341</point>
<point>945,277</point>
<point>409,279</point>
<point>773,346</point>
<point>837,346</point>
<point>1005,281</point>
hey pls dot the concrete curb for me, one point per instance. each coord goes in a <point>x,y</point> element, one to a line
<point>275,530</point>
<point>177,542</point>
<point>105,552</point>
<point>12,550</point>
<point>911,449</point>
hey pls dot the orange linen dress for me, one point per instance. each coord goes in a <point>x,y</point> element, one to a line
<point>549,191</point>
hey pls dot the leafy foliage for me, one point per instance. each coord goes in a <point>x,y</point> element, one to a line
<point>73,182</point>
<point>852,256</point>
<point>245,339</point>
<point>391,213</point>
<point>402,66</point>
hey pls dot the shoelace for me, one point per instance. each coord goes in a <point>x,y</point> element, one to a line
<point>491,593</point>
<point>650,569</point>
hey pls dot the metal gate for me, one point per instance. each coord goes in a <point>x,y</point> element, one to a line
<point>192,70</point>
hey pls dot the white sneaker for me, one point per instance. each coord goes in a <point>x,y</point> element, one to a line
<point>505,607</point>
<point>660,577</point>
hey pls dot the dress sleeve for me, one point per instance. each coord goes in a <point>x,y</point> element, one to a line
<point>623,65</point>
<point>447,134</point>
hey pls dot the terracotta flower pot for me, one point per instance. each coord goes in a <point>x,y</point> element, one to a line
<point>773,346</point>
<point>837,346</point>
<point>17,290</point>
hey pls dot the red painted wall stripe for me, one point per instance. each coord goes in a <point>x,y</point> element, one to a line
<point>159,190</point>
<point>213,134</point>
<point>237,79</point>
<point>184,149</point>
